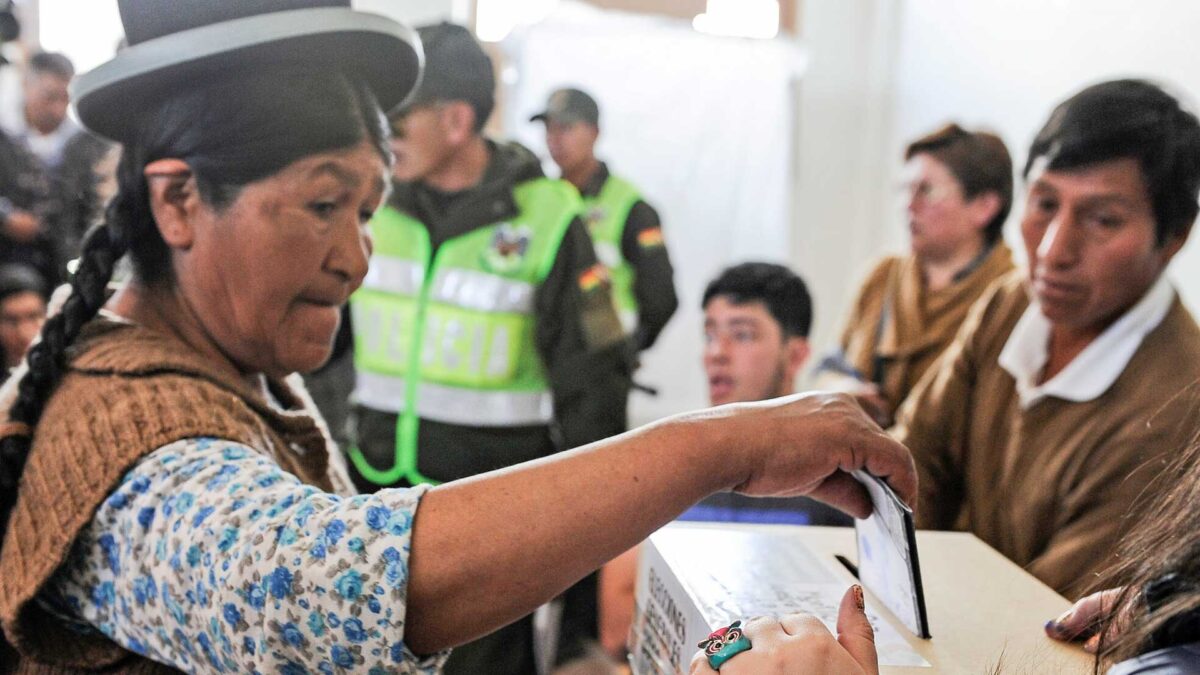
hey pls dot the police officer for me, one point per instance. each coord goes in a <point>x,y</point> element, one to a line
<point>485,333</point>
<point>626,230</point>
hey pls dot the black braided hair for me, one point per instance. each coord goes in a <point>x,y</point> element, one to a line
<point>239,128</point>
<point>102,247</point>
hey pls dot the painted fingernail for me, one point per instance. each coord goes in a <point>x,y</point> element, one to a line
<point>859,600</point>
<point>1058,627</point>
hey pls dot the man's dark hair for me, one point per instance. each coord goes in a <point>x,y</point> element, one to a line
<point>456,69</point>
<point>1132,119</point>
<point>784,294</point>
<point>51,63</point>
<point>979,160</point>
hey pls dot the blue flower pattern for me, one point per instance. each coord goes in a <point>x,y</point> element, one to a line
<point>208,557</point>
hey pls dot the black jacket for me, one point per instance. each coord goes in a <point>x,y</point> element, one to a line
<point>24,186</point>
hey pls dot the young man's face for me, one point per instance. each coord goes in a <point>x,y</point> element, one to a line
<point>422,141</point>
<point>46,101</point>
<point>1090,237</point>
<point>21,317</point>
<point>570,143</point>
<point>746,355</point>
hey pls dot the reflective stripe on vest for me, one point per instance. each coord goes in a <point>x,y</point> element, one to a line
<point>605,215</point>
<point>463,321</point>
<point>452,405</point>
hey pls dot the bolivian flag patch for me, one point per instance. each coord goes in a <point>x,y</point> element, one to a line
<point>650,238</point>
<point>593,277</point>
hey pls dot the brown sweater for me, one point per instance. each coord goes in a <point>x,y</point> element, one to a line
<point>1052,487</point>
<point>128,392</point>
<point>898,328</point>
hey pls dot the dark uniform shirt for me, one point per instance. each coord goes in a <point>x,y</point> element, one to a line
<point>653,284</point>
<point>25,186</point>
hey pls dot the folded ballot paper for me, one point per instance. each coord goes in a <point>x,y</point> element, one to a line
<point>887,555</point>
<point>693,579</point>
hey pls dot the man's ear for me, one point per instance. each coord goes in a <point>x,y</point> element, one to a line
<point>459,118</point>
<point>798,351</point>
<point>174,200</point>
<point>1173,243</point>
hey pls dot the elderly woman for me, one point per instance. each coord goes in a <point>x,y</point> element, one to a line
<point>169,499</point>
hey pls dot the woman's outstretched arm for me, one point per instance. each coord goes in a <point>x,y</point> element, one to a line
<point>490,549</point>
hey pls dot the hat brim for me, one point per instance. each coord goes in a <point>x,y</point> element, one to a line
<point>385,53</point>
<point>560,118</point>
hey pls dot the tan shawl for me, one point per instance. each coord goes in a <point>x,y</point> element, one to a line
<point>898,328</point>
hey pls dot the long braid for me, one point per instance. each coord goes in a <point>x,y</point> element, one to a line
<point>102,247</point>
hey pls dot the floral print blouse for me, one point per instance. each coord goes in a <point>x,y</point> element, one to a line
<point>210,558</point>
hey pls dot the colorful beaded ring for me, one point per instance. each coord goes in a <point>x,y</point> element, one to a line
<point>725,643</point>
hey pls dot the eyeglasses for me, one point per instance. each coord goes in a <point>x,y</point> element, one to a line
<point>925,192</point>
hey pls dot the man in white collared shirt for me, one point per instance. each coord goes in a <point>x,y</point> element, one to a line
<point>1052,410</point>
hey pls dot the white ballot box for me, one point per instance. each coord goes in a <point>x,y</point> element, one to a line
<point>983,610</point>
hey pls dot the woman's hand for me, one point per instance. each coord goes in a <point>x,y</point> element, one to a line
<point>1082,621</point>
<point>800,643</point>
<point>807,445</point>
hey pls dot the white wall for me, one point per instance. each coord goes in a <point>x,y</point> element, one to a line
<point>703,126</point>
<point>844,122</point>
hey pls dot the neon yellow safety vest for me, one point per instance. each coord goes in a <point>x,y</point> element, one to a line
<point>605,215</point>
<point>450,337</point>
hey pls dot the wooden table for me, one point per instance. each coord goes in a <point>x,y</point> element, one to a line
<point>985,613</point>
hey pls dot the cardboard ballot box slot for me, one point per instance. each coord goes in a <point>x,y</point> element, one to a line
<point>694,578</point>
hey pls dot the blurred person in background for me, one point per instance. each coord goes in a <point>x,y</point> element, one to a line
<point>66,154</point>
<point>24,203</point>
<point>958,185</point>
<point>22,312</point>
<point>625,229</point>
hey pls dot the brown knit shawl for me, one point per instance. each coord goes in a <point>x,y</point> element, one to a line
<point>128,392</point>
<point>919,323</point>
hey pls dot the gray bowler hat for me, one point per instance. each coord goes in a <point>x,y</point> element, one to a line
<point>172,43</point>
<point>567,106</point>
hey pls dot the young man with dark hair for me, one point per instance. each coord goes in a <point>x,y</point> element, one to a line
<point>757,317</point>
<point>625,229</point>
<point>1050,412</point>
<point>22,312</point>
<point>959,186</point>
<point>756,322</point>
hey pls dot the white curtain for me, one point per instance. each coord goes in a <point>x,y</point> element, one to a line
<point>703,125</point>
